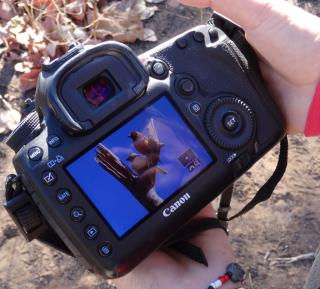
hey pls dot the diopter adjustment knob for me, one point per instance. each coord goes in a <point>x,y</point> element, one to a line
<point>230,122</point>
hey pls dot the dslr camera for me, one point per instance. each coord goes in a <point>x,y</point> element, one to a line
<point>121,151</point>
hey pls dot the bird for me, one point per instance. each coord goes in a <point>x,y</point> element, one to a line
<point>140,164</point>
<point>145,145</point>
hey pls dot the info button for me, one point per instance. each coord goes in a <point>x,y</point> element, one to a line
<point>53,141</point>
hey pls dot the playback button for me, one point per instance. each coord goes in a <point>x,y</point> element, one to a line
<point>91,232</point>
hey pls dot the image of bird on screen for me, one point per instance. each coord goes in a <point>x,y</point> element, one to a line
<point>140,176</point>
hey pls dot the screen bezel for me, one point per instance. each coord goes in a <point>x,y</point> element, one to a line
<point>117,127</point>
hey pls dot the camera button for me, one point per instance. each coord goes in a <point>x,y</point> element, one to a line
<point>182,43</point>
<point>214,35</point>
<point>64,196</point>
<point>231,121</point>
<point>91,232</point>
<point>186,86</point>
<point>198,36</point>
<point>195,108</point>
<point>158,68</point>
<point>49,177</point>
<point>35,154</point>
<point>105,249</point>
<point>77,214</point>
<point>53,141</point>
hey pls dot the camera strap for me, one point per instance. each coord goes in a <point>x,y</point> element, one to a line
<point>179,241</point>
<point>180,244</point>
<point>266,190</point>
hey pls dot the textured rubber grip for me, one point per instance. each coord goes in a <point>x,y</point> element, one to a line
<point>23,131</point>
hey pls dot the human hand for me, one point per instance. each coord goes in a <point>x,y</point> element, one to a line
<point>287,41</point>
<point>168,269</point>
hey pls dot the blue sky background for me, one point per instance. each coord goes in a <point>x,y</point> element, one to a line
<point>119,207</point>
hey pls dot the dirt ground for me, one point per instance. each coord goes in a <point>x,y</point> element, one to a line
<point>286,226</point>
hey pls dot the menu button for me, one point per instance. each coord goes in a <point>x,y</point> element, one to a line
<point>35,154</point>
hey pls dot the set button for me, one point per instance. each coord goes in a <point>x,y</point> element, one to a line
<point>91,232</point>
<point>64,196</point>
<point>77,214</point>
<point>105,249</point>
<point>231,121</point>
<point>35,154</point>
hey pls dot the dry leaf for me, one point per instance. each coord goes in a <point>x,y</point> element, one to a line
<point>149,35</point>
<point>76,9</point>
<point>23,38</point>
<point>41,3</point>
<point>51,50</point>
<point>23,67</point>
<point>29,80</point>
<point>80,35</point>
<point>155,1</point>
<point>6,12</point>
<point>40,28</point>
<point>9,117</point>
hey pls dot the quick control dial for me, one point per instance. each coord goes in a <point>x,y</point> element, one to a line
<point>230,122</point>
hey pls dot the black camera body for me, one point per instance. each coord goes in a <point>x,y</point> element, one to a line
<point>121,151</point>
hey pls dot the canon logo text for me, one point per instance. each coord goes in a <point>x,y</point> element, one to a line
<point>168,211</point>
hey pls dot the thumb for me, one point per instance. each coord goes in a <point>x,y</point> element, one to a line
<point>243,12</point>
<point>286,37</point>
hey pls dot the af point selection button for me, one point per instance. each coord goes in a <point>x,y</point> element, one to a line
<point>105,249</point>
<point>35,154</point>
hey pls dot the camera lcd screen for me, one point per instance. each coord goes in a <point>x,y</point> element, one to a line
<point>132,172</point>
<point>99,90</point>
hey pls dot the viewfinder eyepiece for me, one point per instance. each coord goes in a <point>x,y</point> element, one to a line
<point>99,90</point>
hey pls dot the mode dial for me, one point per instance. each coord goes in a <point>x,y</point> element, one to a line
<point>230,122</point>
<point>25,130</point>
